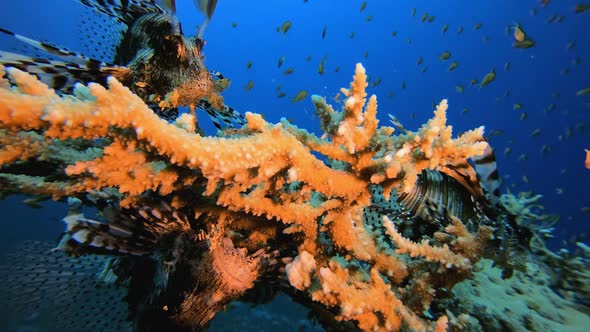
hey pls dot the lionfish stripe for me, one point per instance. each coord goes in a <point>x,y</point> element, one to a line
<point>65,54</point>
<point>59,75</point>
<point>227,115</point>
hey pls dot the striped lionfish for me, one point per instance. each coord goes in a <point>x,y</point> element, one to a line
<point>152,57</point>
<point>468,190</point>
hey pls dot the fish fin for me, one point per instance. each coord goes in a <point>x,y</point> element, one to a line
<point>222,118</point>
<point>62,53</point>
<point>207,7</point>
<point>46,290</point>
<point>99,34</point>
<point>124,11</point>
<point>59,75</point>
<point>123,232</point>
<point>169,4</point>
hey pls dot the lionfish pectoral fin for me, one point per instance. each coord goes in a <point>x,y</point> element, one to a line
<point>84,235</point>
<point>125,12</point>
<point>226,117</point>
<point>58,75</point>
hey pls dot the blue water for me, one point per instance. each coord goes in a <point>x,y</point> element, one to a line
<point>535,76</point>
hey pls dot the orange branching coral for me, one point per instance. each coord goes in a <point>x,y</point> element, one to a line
<point>231,188</point>
<point>443,254</point>
<point>432,147</point>
<point>19,147</point>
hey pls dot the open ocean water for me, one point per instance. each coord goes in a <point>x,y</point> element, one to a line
<point>535,114</point>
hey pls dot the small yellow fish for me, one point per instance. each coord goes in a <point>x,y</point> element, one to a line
<point>337,98</point>
<point>527,43</point>
<point>393,33</point>
<point>249,64</point>
<point>518,34</point>
<point>351,36</point>
<point>337,69</point>
<point>446,55</point>
<point>525,179</point>
<point>281,61</point>
<point>523,156</point>
<point>474,81</point>
<point>281,94</point>
<point>536,132</point>
<point>465,110</point>
<point>453,65</point>
<point>324,32</point>
<point>445,28</point>
<point>459,88</point>
<point>321,65</point>
<point>249,86</point>
<point>517,106</point>
<point>430,19</point>
<point>419,60</point>
<point>524,115</point>
<point>366,54</point>
<point>477,26</point>
<point>278,87</point>
<point>234,24</point>
<point>289,70</point>
<point>489,78</point>
<point>285,27</point>
<point>424,17</point>
<point>496,132</point>
<point>35,202</point>
<point>413,11</point>
<point>583,92</point>
<point>403,85</point>
<point>363,6</point>
<point>308,58</point>
<point>300,96</point>
<point>507,66</point>
<point>376,82</point>
<point>369,18</point>
<point>507,151</point>
<point>460,30</point>
<point>424,69</point>
<point>582,8</point>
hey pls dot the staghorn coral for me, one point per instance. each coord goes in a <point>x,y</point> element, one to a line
<point>196,222</point>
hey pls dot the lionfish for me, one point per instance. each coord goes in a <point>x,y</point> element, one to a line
<point>152,57</point>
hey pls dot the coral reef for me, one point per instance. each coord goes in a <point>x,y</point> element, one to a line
<point>194,222</point>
